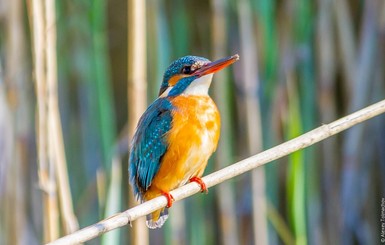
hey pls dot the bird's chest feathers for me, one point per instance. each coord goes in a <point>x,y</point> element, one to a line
<point>195,130</point>
<point>197,117</point>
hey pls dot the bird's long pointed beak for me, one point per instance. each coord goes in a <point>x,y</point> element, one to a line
<point>216,65</point>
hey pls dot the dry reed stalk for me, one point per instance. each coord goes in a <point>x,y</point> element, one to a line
<point>9,175</point>
<point>137,89</point>
<point>46,173</point>
<point>305,140</point>
<point>225,194</point>
<point>248,52</point>
<point>55,136</point>
<point>14,129</point>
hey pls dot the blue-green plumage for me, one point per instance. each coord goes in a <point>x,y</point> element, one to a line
<point>149,144</point>
<point>181,86</point>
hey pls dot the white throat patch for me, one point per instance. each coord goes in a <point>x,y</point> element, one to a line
<point>199,86</point>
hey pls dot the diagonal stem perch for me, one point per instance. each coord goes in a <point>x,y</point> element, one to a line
<point>224,174</point>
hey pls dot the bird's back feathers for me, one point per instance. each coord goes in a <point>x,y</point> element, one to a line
<point>149,144</point>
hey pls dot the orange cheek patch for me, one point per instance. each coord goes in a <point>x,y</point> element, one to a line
<point>174,80</point>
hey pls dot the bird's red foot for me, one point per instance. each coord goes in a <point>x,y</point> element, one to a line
<point>170,198</point>
<point>201,183</point>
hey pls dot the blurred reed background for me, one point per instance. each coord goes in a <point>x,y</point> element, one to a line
<point>64,67</point>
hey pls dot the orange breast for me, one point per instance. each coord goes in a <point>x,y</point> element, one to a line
<point>192,139</point>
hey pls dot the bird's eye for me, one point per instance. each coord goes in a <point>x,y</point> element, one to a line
<point>186,70</point>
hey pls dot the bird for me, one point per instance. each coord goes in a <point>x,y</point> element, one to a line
<point>177,133</point>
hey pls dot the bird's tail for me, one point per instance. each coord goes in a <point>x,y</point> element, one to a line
<point>156,219</point>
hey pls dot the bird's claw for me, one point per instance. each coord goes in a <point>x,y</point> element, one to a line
<point>170,199</point>
<point>201,183</point>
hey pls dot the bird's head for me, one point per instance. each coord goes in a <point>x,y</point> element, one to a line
<point>191,75</point>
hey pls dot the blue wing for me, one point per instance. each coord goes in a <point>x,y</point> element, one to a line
<point>149,145</point>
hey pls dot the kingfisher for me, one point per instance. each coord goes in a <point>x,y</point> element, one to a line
<point>177,133</point>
